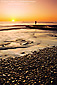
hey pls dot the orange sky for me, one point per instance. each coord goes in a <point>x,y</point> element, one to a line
<point>28,10</point>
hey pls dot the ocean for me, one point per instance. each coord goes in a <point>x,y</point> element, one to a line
<point>19,42</point>
<point>9,24</point>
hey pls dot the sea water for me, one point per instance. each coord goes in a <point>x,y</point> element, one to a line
<point>25,23</point>
<point>22,41</point>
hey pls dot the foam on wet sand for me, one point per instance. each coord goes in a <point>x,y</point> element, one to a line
<point>14,42</point>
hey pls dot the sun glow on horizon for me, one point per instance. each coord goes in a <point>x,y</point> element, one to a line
<point>28,10</point>
<point>13,20</point>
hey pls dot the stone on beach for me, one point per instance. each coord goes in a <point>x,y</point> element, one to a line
<point>38,68</point>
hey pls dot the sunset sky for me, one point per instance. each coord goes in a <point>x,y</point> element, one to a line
<point>28,10</point>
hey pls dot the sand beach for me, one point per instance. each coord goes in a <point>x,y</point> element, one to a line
<point>28,57</point>
<point>14,42</point>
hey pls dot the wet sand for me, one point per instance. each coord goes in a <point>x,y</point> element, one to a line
<point>35,26</point>
<point>28,57</point>
<point>38,68</point>
<point>24,41</point>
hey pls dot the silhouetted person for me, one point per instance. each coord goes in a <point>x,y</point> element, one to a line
<point>35,22</point>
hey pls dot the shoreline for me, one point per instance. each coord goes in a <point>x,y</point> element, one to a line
<point>41,27</point>
<point>38,68</point>
<point>23,53</point>
<point>17,42</point>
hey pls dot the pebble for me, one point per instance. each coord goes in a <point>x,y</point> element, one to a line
<point>22,52</point>
<point>38,68</point>
<point>4,75</point>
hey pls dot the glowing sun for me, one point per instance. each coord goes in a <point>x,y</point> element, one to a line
<point>13,20</point>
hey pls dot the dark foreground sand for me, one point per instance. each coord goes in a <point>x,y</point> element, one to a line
<point>38,68</point>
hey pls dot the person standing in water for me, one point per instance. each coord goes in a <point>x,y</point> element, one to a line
<point>35,22</point>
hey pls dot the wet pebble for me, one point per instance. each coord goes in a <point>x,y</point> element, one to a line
<point>38,68</point>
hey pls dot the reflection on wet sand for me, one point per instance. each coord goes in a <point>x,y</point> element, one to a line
<point>26,41</point>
